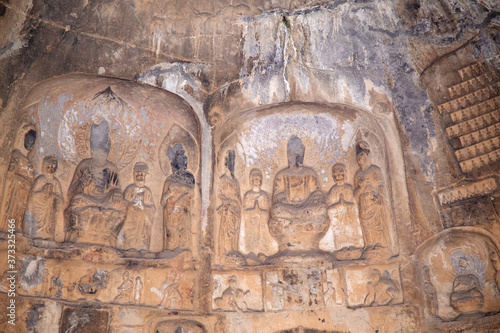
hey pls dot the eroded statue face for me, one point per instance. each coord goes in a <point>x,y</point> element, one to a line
<point>50,166</point>
<point>230,161</point>
<point>140,177</point>
<point>338,174</point>
<point>29,139</point>
<point>256,180</point>
<point>362,158</point>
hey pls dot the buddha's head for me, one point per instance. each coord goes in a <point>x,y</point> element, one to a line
<point>178,158</point>
<point>100,143</point>
<point>338,173</point>
<point>49,165</point>
<point>140,172</point>
<point>256,179</point>
<point>295,152</point>
<point>362,154</point>
<point>230,161</point>
<point>29,139</point>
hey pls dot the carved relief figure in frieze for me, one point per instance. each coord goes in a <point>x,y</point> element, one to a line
<point>45,204</point>
<point>382,290</point>
<point>56,284</point>
<point>298,214</point>
<point>136,231</point>
<point>230,208</point>
<point>18,182</point>
<point>125,289</point>
<point>139,286</point>
<point>255,236</point>
<point>369,191</point>
<point>176,200</point>
<point>97,209</point>
<point>233,297</point>
<point>93,282</point>
<point>169,294</point>
<point>345,229</point>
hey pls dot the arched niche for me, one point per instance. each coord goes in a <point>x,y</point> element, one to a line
<point>141,129</point>
<point>259,138</point>
<point>459,274</point>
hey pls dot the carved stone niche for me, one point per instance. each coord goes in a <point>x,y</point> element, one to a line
<point>459,274</point>
<point>300,179</point>
<point>108,162</point>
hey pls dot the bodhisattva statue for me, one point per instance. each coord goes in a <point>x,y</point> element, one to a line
<point>45,205</point>
<point>18,183</point>
<point>255,236</point>
<point>136,231</point>
<point>97,208</point>
<point>230,208</point>
<point>345,228</point>
<point>369,192</point>
<point>176,201</point>
<point>298,215</point>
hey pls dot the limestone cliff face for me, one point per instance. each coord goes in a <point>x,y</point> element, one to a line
<point>384,218</point>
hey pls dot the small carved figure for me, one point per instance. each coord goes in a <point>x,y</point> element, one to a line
<point>369,192</point>
<point>169,294</point>
<point>277,296</point>
<point>125,290</point>
<point>45,204</point>
<point>430,292</point>
<point>382,290</point>
<point>255,236</point>
<point>233,297</point>
<point>56,284</point>
<point>298,215</point>
<point>93,282</point>
<point>176,201</point>
<point>18,183</point>
<point>495,260</point>
<point>466,295</point>
<point>136,231</point>
<point>343,212</point>
<point>138,290</point>
<point>230,207</point>
<point>97,209</point>
<point>330,296</point>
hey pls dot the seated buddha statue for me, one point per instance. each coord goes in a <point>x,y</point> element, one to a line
<point>97,208</point>
<point>298,215</point>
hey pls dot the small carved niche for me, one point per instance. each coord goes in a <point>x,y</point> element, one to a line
<point>458,270</point>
